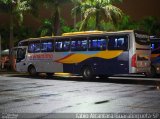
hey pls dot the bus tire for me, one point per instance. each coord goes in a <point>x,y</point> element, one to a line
<point>32,70</point>
<point>153,71</point>
<point>87,73</point>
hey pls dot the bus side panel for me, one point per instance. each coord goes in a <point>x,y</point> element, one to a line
<point>69,68</point>
<point>100,66</point>
<point>155,61</point>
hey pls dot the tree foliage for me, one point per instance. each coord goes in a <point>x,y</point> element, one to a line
<point>55,6</point>
<point>148,24</point>
<point>15,9</point>
<point>151,25</point>
<point>47,27</point>
<point>100,10</point>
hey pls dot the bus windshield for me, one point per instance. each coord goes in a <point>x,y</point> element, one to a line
<point>141,38</point>
<point>21,52</point>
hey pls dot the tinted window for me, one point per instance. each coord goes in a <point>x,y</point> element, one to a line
<point>23,43</point>
<point>34,47</point>
<point>21,52</point>
<point>47,46</point>
<point>118,43</point>
<point>142,38</point>
<point>155,46</point>
<point>97,43</point>
<point>61,46</point>
<point>79,45</point>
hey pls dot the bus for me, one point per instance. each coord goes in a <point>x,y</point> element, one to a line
<point>155,56</point>
<point>88,54</point>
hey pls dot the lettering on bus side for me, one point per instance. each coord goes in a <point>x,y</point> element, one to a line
<point>41,57</point>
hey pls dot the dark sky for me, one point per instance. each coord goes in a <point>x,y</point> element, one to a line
<point>137,9</point>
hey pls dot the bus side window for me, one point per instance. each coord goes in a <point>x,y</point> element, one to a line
<point>155,48</point>
<point>34,47</point>
<point>79,45</point>
<point>97,44</point>
<point>62,45</point>
<point>24,43</point>
<point>47,46</point>
<point>118,43</point>
<point>58,46</point>
<point>66,46</point>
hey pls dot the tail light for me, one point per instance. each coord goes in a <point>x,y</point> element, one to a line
<point>134,61</point>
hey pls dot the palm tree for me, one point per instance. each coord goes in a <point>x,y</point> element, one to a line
<point>101,10</point>
<point>15,9</point>
<point>76,11</point>
<point>55,4</point>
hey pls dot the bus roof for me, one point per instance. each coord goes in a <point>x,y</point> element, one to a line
<point>93,32</point>
<point>83,33</point>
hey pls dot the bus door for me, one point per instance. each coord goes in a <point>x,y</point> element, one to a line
<point>21,59</point>
<point>119,52</point>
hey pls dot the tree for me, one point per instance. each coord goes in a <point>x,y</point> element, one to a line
<point>150,25</point>
<point>55,5</point>
<point>47,27</point>
<point>15,9</point>
<point>127,23</point>
<point>100,10</point>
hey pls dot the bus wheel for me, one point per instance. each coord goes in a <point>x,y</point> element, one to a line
<point>153,72</point>
<point>32,71</point>
<point>49,75</point>
<point>87,73</point>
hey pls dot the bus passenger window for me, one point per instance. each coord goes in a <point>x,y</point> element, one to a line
<point>155,48</point>
<point>97,44</point>
<point>152,46</point>
<point>47,46</point>
<point>78,45</point>
<point>58,46</point>
<point>66,45</point>
<point>34,47</point>
<point>118,43</point>
<point>84,45</point>
<point>73,45</point>
<point>23,43</point>
<point>61,46</point>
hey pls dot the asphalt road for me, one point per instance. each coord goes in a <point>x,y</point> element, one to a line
<point>43,97</point>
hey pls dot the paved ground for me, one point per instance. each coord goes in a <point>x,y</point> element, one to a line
<point>21,94</point>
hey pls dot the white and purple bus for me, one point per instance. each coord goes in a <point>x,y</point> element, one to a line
<point>89,54</point>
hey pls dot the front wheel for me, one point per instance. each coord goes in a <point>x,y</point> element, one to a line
<point>153,72</point>
<point>32,71</point>
<point>87,73</point>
